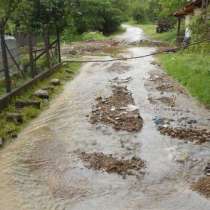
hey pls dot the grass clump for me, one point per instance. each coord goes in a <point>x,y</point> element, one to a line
<point>192,70</point>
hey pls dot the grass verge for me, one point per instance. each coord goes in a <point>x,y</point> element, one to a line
<point>167,37</point>
<point>9,130</point>
<point>189,67</point>
<point>192,70</point>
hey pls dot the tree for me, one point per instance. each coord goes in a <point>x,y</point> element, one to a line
<point>7,7</point>
<point>96,15</point>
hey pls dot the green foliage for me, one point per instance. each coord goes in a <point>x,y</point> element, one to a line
<point>139,14</point>
<point>167,37</point>
<point>92,36</point>
<point>96,15</point>
<point>200,28</point>
<point>152,10</point>
<point>7,7</point>
<point>191,69</point>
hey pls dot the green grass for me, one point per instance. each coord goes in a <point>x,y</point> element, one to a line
<point>167,37</point>
<point>192,70</point>
<point>191,67</point>
<point>9,129</point>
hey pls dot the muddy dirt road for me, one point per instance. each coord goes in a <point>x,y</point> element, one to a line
<point>74,156</point>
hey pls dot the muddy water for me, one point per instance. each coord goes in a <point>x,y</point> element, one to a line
<point>42,170</point>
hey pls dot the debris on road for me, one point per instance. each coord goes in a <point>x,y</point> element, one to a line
<point>90,47</point>
<point>122,80</point>
<point>165,83</point>
<point>197,136</point>
<point>119,67</point>
<point>118,110</point>
<point>202,186</point>
<point>169,101</point>
<point>102,162</point>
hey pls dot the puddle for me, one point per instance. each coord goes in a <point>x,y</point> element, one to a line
<point>118,67</point>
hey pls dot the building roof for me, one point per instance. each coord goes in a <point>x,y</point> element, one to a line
<point>188,8</point>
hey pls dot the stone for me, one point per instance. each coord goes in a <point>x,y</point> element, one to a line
<point>207,170</point>
<point>21,104</point>
<point>55,82</point>
<point>43,94</point>
<point>15,117</point>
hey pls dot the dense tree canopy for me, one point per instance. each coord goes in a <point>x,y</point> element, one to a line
<point>84,15</point>
<point>152,10</point>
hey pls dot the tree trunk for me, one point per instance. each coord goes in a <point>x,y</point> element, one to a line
<point>178,31</point>
<point>30,48</point>
<point>59,44</point>
<point>47,47</point>
<point>5,59</point>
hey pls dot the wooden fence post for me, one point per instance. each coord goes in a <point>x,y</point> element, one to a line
<point>59,44</point>
<point>178,31</point>
<point>30,48</point>
<point>47,47</point>
<point>5,59</point>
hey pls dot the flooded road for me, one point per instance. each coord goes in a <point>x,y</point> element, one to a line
<point>43,170</point>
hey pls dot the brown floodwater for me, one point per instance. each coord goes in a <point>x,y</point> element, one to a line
<point>42,169</point>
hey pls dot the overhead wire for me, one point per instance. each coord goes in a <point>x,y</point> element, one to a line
<point>170,50</point>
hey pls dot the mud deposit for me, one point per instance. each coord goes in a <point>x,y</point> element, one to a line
<point>118,110</point>
<point>165,83</point>
<point>102,162</point>
<point>203,186</point>
<point>193,135</point>
<point>89,47</point>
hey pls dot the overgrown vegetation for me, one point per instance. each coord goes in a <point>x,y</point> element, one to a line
<point>191,69</point>
<point>150,11</point>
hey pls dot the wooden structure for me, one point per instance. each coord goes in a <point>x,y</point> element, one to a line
<point>193,8</point>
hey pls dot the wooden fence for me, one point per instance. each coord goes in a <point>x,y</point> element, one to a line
<point>28,72</point>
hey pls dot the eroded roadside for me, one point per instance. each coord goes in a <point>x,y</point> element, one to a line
<point>85,154</point>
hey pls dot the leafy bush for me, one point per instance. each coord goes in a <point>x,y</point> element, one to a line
<point>92,36</point>
<point>139,14</point>
<point>96,15</point>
